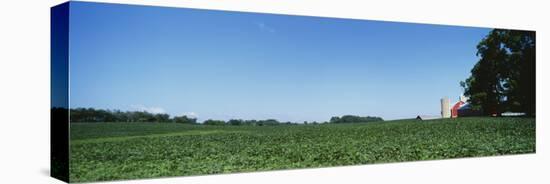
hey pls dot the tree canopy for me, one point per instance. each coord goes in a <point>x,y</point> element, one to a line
<point>504,77</point>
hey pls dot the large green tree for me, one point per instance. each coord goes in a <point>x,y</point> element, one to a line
<point>504,77</point>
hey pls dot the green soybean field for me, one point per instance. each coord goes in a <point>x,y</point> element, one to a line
<point>116,151</point>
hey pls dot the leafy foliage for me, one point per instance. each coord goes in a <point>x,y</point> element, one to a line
<point>184,119</point>
<point>214,122</point>
<point>87,115</point>
<point>504,77</point>
<point>100,115</point>
<point>354,119</point>
<point>110,151</point>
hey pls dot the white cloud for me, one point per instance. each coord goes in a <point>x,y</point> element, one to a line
<point>154,110</point>
<point>262,26</point>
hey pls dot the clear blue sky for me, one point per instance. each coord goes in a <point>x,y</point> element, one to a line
<point>222,65</point>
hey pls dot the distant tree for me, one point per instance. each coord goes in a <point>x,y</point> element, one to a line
<point>184,119</point>
<point>100,115</point>
<point>162,118</point>
<point>214,122</point>
<point>235,122</point>
<point>354,119</point>
<point>267,122</point>
<point>335,119</point>
<point>250,122</point>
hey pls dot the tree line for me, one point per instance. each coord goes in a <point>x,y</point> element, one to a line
<point>237,122</point>
<point>504,77</point>
<point>101,115</point>
<point>354,119</point>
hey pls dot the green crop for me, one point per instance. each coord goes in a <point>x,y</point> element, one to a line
<point>113,151</point>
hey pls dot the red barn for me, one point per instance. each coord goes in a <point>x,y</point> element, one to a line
<point>454,110</point>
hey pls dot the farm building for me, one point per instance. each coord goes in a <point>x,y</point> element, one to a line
<point>511,114</point>
<point>467,110</point>
<point>427,117</point>
<point>456,106</point>
<point>445,112</point>
<point>462,108</point>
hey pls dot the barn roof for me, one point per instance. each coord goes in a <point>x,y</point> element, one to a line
<point>466,106</point>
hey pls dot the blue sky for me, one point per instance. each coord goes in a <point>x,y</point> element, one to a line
<point>223,65</point>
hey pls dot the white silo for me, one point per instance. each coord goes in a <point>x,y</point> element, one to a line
<point>445,110</point>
